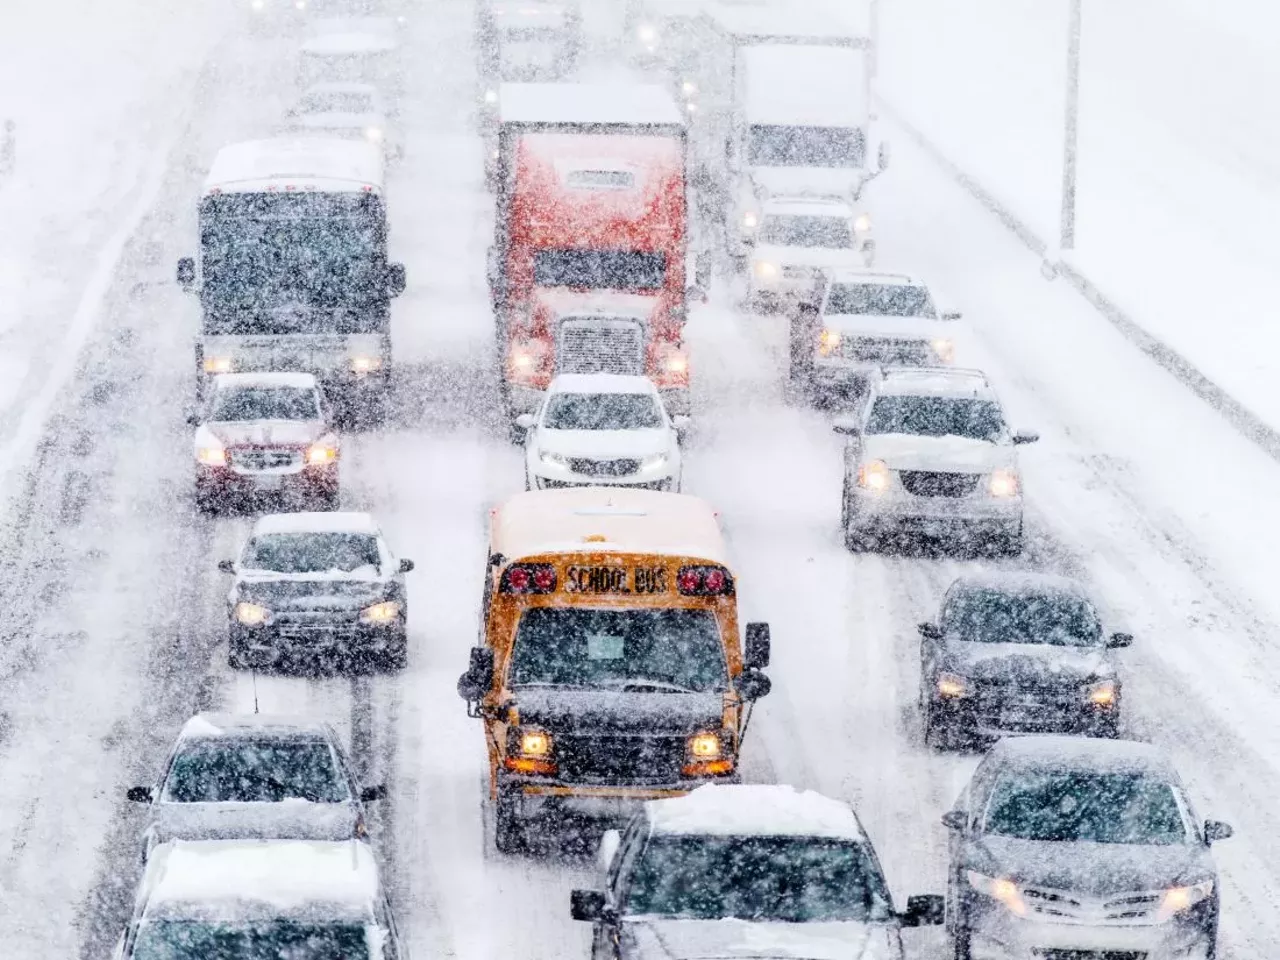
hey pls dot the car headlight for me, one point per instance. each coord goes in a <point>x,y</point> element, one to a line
<point>553,459</point>
<point>320,454</point>
<point>211,456</point>
<point>300,4</point>
<point>257,4</point>
<point>952,686</point>
<point>654,462</point>
<point>874,475</point>
<point>705,746</point>
<point>534,743</point>
<point>647,33</point>
<point>1003,483</point>
<point>1103,693</point>
<point>675,362</point>
<point>863,223</point>
<point>828,342</point>
<point>750,220</point>
<point>251,614</point>
<point>491,96</point>
<point>373,133</point>
<point>365,363</point>
<point>380,613</point>
<point>217,364</point>
<point>766,270</point>
<point>944,349</point>
<point>999,888</point>
<point>689,88</point>
<point>1178,899</point>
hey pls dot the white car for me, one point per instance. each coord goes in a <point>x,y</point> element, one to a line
<point>598,429</point>
<point>930,453</point>
<point>347,109</point>
<point>866,321</point>
<point>798,240</point>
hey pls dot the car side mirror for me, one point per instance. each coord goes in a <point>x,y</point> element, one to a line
<point>187,273</point>
<point>406,566</point>
<point>924,910</point>
<point>371,794</point>
<point>951,314</point>
<point>227,566</point>
<point>752,685</point>
<point>1025,436</point>
<point>609,844</point>
<point>954,820</point>
<point>397,279</point>
<point>589,905</point>
<point>1217,830</point>
<point>138,794</point>
<point>526,421</point>
<point>1117,640</point>
<point>758,646</point>
<point>930,630</point>
<point>475,683</point>
<point>847,428</point>
<point>193,420</point>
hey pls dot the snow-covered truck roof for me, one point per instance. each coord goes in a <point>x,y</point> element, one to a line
<point>607,520</point>
<point>327,165</point>
<point>802,85</point>
<point>583,106</point>
<point>754,810</point>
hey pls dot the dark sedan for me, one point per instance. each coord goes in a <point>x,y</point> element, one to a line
<point>320,587</point>
<point>1023,654</point>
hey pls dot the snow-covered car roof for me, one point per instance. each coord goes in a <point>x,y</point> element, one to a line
<point>807,207</point>
<point>336,521</point>
<point>878,277</point>
<point>607,520</point>
<point>1052,752</point>
<point>279,381</point>
<point>601,383</point>
<point>221,726</point>
<point>754,810</point>
<point>588,104</point>
<point>813,94</point>
<point>957,382</point>
<point>223,879</point>
<point>306,162</point>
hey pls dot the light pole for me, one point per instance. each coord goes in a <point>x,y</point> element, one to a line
<point>1067,236</point>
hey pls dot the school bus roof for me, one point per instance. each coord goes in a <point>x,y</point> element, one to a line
<point>607,520</point>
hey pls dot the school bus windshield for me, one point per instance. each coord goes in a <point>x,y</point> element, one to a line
<point>677,650</point>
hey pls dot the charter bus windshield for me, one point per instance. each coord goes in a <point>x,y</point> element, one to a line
<point>610,668</point>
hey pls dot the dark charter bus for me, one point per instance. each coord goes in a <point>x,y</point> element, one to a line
<point>292,271</point>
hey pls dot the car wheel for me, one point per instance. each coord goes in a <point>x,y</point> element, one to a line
<point>960,937</point>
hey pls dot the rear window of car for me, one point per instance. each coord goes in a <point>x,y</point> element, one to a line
<point>255,771</point>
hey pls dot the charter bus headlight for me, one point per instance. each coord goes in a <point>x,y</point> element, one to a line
<point>362,363</point>
<point>1003,483</point>
<point>874,475</point>
<point>211,455</point>
<point>944,349</point>
<point>380,613</point>
<point>251,614</point>
<point>863,223</point>
<point>217,364</point>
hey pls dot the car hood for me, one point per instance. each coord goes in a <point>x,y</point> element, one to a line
<point>268,433</point>
<point>287,820</point>
<point>603,444</point>
<point>901,328</point>
<point>610,711</point>
<point>945,454</point>
<point>808,256</point>
<point>1029,663</point>
<point>807,181</point>
<point>734,939</point>
<point>1097,869</point>
<point>312,594</point>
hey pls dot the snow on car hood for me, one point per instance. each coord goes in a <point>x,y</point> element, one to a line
<point>1030,662</point>
<point>603,444</point>
<point>905,451</point>
<point>294,819</point>
<point>808,181</point>
<point>268,433</point>
<point>1098,869</point>
<point>283,593</point>
<point>808,256</point>
<point>734,939</point>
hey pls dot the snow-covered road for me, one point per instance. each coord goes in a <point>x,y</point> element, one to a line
<point>112,634</point>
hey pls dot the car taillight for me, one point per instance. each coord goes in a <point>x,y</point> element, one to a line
<point>526,578</point>
<point>705,582</point>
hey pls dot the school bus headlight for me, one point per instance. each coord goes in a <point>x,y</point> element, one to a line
<point>251,614</point>
<point>217,364</point>
<point>380,613</point>
<point>705,746</point>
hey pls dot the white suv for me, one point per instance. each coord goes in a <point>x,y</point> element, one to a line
<point>929,452</point>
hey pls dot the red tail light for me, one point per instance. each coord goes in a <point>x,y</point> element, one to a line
<point>526,578</point>
<point>705,582</point>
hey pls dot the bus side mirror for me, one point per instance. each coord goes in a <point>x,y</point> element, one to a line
<point>396,279</point>
<point>475,683</point>
<point>187,273</point>
<point>757,652</point>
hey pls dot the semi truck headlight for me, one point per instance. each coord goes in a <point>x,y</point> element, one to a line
<point>251,614</point>
<point>705,746</point>
<point>535,743</point>
<point>380,613</point>
<point>217,364</point>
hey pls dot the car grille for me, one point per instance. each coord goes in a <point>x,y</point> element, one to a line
<point>316,627</point>
<point>1091,954</point>
<point>888,350</point>
<point>601,346</point>
<point>256,459</point>
<point>1028,707</point>
<point>604,468</point>
<point>620,760</point>
<point>927,483</point>
<point>545,484</point>
<point>1116,910</point>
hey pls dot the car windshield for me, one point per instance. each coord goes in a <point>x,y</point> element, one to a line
<point>780,879</point>
<point>270,940</point>
<point>936,417</point>
<point>784,146</point>
<point>998,616</point>
<point>312,553</point>
<point>807,231</point>
<point>1073,806</point>
<point>254,771</point>
<point>678,650</point>
<point>240,404</point>
<point>601,411</point>
<point>880,300</point>
<point>600,269</point>
<point>336,102</point>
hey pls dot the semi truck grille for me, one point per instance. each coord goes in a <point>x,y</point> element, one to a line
<point>601,346</point>
<point>604,468</point>
<point>926,483</point>
<point>264,459</point>
<point>621,761</point>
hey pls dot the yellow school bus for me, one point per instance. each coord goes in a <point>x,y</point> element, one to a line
<point>609,669</point>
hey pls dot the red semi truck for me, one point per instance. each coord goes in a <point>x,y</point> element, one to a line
<point>588,272</point>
